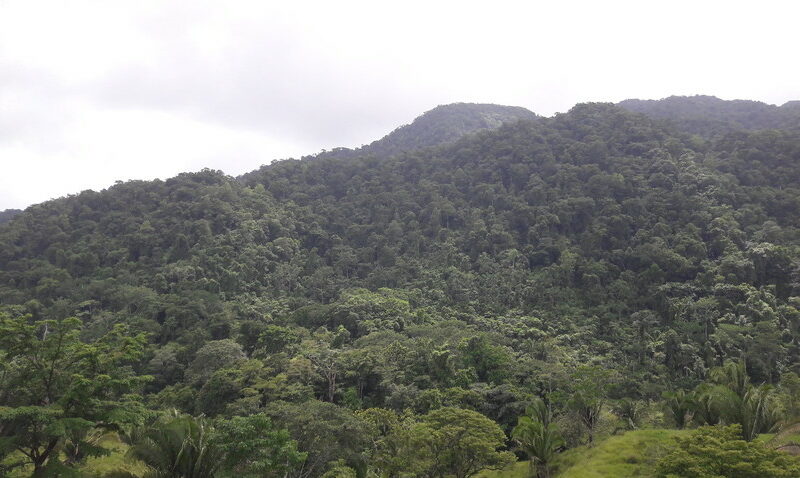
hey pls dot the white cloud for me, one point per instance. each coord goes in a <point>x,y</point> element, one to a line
<point>94,91</point>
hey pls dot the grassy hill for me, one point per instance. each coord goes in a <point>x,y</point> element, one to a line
<point>632,454</point>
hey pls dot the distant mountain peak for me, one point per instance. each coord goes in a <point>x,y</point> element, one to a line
<point>441,125</point>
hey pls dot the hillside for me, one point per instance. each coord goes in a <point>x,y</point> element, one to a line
<point>711,116</point>
<point>597,215</point>
<point>632,454</point>
<point>387,291</point>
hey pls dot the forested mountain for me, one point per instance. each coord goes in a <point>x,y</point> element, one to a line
<point>441,125</point>
<point>599,256</point>
<point>711,116</point>
<point>8,214</point>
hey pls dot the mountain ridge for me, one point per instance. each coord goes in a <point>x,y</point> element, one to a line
<point>441,125</point>
<point>710,116</point>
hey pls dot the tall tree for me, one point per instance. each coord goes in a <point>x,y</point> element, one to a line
<point>457,442</point>
<point>56,389</point>
<point>254,448</point>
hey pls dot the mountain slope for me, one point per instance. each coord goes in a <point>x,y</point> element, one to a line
<point>441,125</point>
<point>596,236</point>
<point>710,116</point>
<point>599,251</point>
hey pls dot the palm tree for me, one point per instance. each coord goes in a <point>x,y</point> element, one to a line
<point>735,400</point>
<point>705,406</point>
<point>180,447</point>
<point>732,374</point>
<point>758,412</point>
<point>538,437</point>
<point>679,404</point>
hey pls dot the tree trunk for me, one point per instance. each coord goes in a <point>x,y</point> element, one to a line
<point>331,387</point>
<point>542,470</point>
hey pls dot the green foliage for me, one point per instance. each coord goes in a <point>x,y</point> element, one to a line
<point>708,116</point>
<point>520,469</point>
<point>790,386</point>
<point>679,403</point>
<point>393,451</point>
<point>324,431</point>
<point>707,407</point>
<point>57,392</point>
<point>177,447</point>
<point>8,214</point>
<point>597,259</point>
<point>630,411</point>
<point>339,469</point>
<point>253,448</point>
<point>589,396</point>
<point>441,125</point>
<point>538,437</point>
<point>735,400</point>
<point>213,356</point>
<point>721,451</point>
<point>457,442</point>
<point>362,312</point>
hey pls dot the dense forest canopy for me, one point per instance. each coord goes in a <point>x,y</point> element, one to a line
<point>463,266</point>
<point>8,214</point>
<point>712,116</point>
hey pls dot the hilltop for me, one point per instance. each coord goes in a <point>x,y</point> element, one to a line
<point>439,126</point>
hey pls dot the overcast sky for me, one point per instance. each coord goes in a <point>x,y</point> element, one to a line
<point>97,91</point>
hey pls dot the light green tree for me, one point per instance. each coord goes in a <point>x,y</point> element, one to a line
<point>56,391</point>
<point>456,442</point>
<point>254,448</point>
<point>721,452</point>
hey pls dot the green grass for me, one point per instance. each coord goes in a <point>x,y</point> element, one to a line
<point>98,467</point>
<point>116,461</point>
<point>790,435</point>
<point>632,454</point>
<point>517,470</point>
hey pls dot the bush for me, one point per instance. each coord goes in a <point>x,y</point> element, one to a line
<point>722,452</point>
